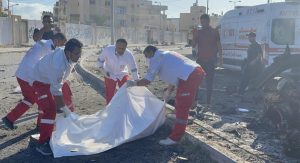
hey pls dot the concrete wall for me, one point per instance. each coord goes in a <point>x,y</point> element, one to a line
<point>15,31</point>
<point>6,31</point>
<point>31,25</point>
<point>82,32</point>
<point>19,32</point>
<point>95,35</point>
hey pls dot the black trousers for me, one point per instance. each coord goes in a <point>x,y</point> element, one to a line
<point>209,68</point>
<point>249,72</point>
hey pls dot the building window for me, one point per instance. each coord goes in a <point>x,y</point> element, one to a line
<point>74,18</point>
<point>120,10</point>
<point>92,2</point>
<point>123,23</point>
<point>107,3</point>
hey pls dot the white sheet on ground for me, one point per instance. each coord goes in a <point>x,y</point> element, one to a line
<point>132,114</point>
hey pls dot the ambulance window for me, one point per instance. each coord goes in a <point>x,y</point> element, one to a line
<point>283,31</point>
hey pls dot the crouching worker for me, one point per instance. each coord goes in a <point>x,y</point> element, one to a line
<point>176,70</point>
<point>47,78</point>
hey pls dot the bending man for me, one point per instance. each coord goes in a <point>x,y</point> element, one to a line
<point>179,71</point>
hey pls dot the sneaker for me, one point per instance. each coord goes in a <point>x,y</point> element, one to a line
<point>8,124</point>
<point>167,141</point>
<point>44,149</point>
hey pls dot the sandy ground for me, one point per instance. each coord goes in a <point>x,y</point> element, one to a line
<point>242,133</point>
<point>15,146</point>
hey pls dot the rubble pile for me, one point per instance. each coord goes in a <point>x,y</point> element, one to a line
<point>282,110</point>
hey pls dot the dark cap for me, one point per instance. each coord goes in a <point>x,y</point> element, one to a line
<point>251,34</point>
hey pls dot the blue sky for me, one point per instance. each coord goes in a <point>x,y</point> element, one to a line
<point>31,9</point>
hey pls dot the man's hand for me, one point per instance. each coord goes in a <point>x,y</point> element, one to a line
<point>104,72</point>
<point>65,110</point>
<point>167,92</point>
<point>130,83</point>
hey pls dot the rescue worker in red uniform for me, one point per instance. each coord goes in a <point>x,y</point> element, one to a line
<point>180,72</point>
<point>115,61</point>
<point>32,56</point>
<point>47,78</point>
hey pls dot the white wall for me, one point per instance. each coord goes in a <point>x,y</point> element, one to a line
<point>31,25</point>
<point>92,35</point>
<point>84,33</point>
<point>6,31</point>
<point>88,35</point>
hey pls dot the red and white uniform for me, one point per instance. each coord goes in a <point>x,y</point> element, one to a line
<point>32,56</point>
<point>47,78</point>
<point>182,72</point>
<point>117,67</point>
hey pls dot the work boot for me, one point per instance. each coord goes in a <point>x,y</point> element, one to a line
<point>8,124</point>
<point>167,141</point>
<point>44,149</point>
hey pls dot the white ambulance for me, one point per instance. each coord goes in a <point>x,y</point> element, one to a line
<point>276,25</point>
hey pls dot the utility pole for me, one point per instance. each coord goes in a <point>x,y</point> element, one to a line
<point>207,1</point>
<point>8,8</point>
<point>12,8</point>
<point>160,29</point>
<point>112,41</point>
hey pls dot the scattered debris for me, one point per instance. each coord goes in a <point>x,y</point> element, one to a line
<point>17,90</point>
<point>5,97</point>
<point>242,110</point>
<point>200,130</point>
<point>281,100</point>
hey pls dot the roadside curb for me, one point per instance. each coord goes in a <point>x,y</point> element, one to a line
<point>14,51</point>
<point>97,84</point>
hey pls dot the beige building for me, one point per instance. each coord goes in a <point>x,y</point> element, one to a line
<point>172,24</point>
<point>128,13</point>
<point>214,20</point>
<point>188,21</point>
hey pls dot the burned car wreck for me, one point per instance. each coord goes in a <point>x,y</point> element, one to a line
<point>280,87</point>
